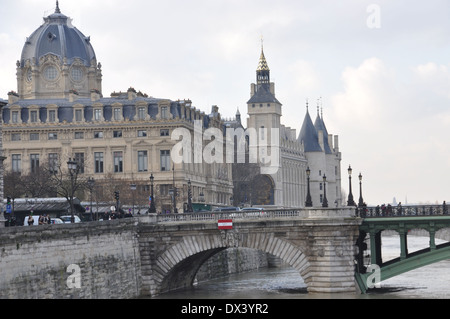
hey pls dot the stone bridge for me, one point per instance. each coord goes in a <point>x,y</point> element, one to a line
<point>318,243</point>
<point>152,254</point>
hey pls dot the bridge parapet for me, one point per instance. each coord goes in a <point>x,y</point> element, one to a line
<point>301,213</point>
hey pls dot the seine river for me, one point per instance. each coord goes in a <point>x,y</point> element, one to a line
<point>431,282</point>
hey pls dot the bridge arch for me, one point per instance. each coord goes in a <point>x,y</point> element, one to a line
<point>178,265</point>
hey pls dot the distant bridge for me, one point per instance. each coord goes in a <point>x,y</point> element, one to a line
<point>401,219</point>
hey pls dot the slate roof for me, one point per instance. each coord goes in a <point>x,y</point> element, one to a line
<point>59,37</point>
<point>320,126</point>
<point>263,95</point>
<point>308,135</point>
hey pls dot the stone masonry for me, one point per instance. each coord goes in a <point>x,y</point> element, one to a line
<point>144,256</point>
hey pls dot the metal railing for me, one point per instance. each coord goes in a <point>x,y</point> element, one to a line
<point>402,211</point>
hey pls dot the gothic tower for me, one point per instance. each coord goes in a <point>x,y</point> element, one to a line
<point>264,112</point>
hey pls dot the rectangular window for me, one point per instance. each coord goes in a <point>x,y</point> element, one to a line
<point>141,113</point>
<point>118,162</point>
<point>33,116</point>
<point>164,132</point>
<point>142,133</point>
<point>164,112</point>
<point>78,115</point>
<point>15,117</point>
<point>142,161</point>
<point>117,134</point>
<point>53,162</point>
<point>52,116</point>
<point>16,163</point>
<point>34,161</point>
<point>98,134</point>
<point>16,137</point>
<point>97,114</point>
<point>52,136</point>
<point>34,136</point>
<point>79,135</point>
<point>79,158</point>
<point>98,159</point>
<point>165,161</point>
<point>117,114</point>
<point>164,189</point>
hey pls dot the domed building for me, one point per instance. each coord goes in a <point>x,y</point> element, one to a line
<point>59,113</point>
<point>58,59</point>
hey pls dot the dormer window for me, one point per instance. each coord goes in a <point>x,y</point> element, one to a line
<point>33,114</point>
<point>98,114</point>
<point>15,118</point>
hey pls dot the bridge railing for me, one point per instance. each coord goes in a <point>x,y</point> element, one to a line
<point>235,215</point>
<point>399,211</point>
<point>257,214</point>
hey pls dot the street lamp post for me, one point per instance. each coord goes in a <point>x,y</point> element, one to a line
<point>72,167</point>
<point>325,201</point>
<point>133,188</point>
<point>189,207</point>
<point>308,202</point>
<point>152,196</point>
<point>174,191</point>
<point>361,201</point>
<point>350,201</point>
<point>91,183</point>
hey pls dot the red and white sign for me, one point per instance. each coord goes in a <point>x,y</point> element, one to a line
<point>225,224</point>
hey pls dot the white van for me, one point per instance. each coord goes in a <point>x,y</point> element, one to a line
<point>35,220</point>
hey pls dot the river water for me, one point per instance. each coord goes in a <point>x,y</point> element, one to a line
<point>431,282</point>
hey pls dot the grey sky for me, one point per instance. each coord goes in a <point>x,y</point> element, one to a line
<point>385,91</point>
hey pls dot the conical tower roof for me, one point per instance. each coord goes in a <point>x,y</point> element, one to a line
<point>308,135</point>
<point>262,65</point>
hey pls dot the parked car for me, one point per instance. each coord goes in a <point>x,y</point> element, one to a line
<point>56,221</point>
<point>67,219</point>
<point>253,211</point>
<point>226,209</point>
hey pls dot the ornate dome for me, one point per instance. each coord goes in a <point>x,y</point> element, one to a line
<point>59,37</point>
<point>57,61</point>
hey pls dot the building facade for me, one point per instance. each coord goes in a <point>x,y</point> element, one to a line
<point>285,184</point>
<point>59,113</point>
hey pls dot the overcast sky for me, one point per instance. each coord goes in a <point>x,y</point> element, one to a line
<point>382,69</point>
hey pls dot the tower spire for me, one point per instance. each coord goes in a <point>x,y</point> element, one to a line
<point>57,7</point>
<point>263,71</point>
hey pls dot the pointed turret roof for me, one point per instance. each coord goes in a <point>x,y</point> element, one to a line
<point>262,66</point>
<point>308,135</point>
<point>320,126</point>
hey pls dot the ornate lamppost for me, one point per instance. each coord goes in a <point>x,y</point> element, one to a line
<point>308,202</point>
<point>350,201</point>
<point>189,206</point>
<point>152,197</point>
<point>72,167</point>
<point>361,201</point>
<point>324,201</point>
